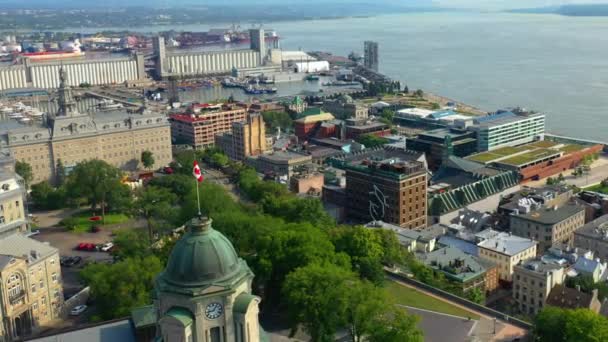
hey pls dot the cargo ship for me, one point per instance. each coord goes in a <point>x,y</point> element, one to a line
<point>38,56</point>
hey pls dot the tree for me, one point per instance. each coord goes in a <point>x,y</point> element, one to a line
<point>120,287</point>
<point>366,303</point>
<point>275,120</point>
<point>476,295</point>
<point>46,197</point>
<point>130,243</point>
<point>153,203</point>
<point>370,140</point>
<point>364,246</point>
<point>551,181</point>
<point>560,178</point>
<point>219,160</point>
<point>435,106</point>
<point>147,159</point>
<point>317,297</point>
<point>24,170</point>
<point>406,90</point>
<point>419,93</point>
<point>98,182</point>
<point>395,326</point>
<point>60,176</point>
<point>587,285</point>
<point>556,324</point>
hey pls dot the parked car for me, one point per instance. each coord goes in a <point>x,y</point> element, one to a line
<point>77,310</point>
<point>106,247</point>
<point>167,170</point>
<point>84,246</point>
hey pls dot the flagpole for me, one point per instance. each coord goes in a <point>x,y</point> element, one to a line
<point>198,199</point>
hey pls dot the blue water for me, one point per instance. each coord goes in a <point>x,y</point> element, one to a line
<point>554,64</point>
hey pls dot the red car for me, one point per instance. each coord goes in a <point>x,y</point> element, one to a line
<point>84,246</point>
<point>168,170</point>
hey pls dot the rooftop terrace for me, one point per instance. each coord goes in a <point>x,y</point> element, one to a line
<point>520,156</point>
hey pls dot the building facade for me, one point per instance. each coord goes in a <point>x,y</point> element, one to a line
<point>344,107</point>
<point>199,129</point>
<point>532,284</point>
<point>370,55</point>
<point>279,163</point>
<point>12,200</point>
<point>117,137</point>
<point>31,292</point>
<point>391,190</point>
<point>506,251</point>
<point>594,237</point>
<point>248,138</point>
<point>549,225</point>
<point>506,128</point>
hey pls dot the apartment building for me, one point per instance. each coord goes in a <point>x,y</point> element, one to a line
<point>506,251</point>
<point>31,295</point>
<point>533,281</point>
<point>199,128</point>
<point>549,224</point>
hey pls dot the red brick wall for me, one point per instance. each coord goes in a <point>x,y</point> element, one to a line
<point>557,166</point>
<point>303,129</point>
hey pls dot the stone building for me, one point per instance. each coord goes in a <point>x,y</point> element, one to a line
<point>12,199</point>
<point>31,295</point>
<point>594,237</point>
<point>117,137</point>
<point>203,295</point>
<point>344,107</point>
<point>247,138</point>
<point>549,225</point>
<point>532,283</point>
<point>506,251</point>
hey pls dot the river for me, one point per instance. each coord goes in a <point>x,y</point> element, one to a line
<point>554,64</point>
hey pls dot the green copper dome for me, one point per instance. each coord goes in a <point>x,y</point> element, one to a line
<point>201,258</point>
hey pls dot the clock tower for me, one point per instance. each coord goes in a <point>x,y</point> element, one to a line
<point>204,293</point>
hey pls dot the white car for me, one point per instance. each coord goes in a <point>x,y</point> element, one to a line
<point>107,246</point>
<point>77,310</point>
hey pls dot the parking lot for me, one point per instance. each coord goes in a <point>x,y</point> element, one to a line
<point>66,242</point>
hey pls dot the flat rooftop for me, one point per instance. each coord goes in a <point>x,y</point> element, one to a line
<point>550,215</point>
<point>507,244</point>
<point>596,229</point>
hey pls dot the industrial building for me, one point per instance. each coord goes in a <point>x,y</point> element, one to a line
<point>212,62</point>
<point>117,137</point>
<point>45,74</point>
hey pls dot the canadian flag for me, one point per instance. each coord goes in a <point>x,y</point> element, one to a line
<point>196,172</point>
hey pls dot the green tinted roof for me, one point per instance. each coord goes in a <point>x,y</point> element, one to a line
<point>181,315</point>
<point>242,302</point>
<point>144,316</point>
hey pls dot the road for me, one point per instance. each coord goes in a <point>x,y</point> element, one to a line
<point>598,172</point>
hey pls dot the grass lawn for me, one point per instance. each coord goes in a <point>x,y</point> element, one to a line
<point>598,188</point>
<point>484,157</point>
<point>410,297</point>
<point>83,224</point>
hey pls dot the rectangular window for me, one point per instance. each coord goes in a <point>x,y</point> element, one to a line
<point>215,334</point>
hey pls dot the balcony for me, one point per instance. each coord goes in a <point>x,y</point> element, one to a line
<point>14,298</point>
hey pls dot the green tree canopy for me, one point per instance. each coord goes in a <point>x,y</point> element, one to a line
<point>24,170</point>
<point>118,288</point>
<point>275,120</point>
<point>147,159</point>
<point>395,326</point>
<point>219,160</point>
<point>580,325</point>
<point>317,297</point>
<point>47,197</point>
<point>99,183</point>
<point>370,140</point>
<point>155,205</point>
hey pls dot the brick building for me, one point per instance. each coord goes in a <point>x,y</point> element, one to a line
<point>199,129</point>
<point>391,189</point>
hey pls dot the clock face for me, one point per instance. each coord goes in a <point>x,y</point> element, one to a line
<point>214,310</point>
